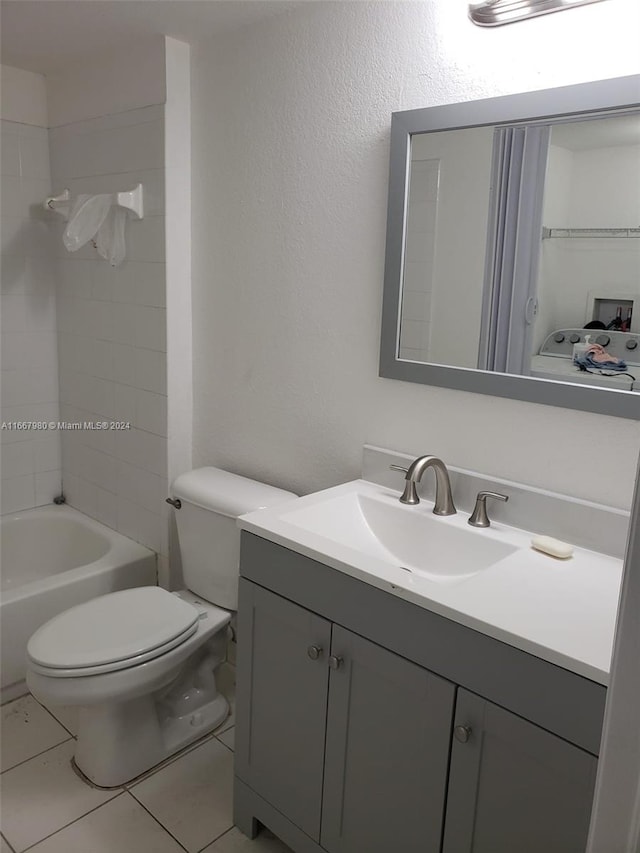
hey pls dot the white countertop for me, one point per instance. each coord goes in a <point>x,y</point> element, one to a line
<point>563,611</point>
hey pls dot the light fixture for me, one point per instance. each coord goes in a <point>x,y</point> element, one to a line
<point>494,13</point>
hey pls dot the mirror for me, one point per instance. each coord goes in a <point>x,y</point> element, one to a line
<point>513,223</point>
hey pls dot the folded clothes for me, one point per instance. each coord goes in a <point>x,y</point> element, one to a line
<point>597,358</point>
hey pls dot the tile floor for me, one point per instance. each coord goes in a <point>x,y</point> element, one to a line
<point>184,805</point>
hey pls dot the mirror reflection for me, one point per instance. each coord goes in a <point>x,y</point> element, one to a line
<point>522,251</point>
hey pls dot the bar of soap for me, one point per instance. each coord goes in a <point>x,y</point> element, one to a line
<point>554,547</point>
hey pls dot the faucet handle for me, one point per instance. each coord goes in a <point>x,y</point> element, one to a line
<point>479,517</point>
<point>410,495</point>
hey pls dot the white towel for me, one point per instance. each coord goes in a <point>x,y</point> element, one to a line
<point>97,216</point>
<point>87,215</point>
<point>110,240</point>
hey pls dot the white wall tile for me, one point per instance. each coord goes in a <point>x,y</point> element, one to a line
<point>34,156</point>
<point>99,468</point>
<point>152,452</point>
<point>151,412</point>
<point>112,327</point>
<point>84,497</point>
<point>15,388</point>
<point>11,236</point>
<point>101,396</point>
<point>141,283</point>
<point>48,453</point>
<point>151,491</point>
<point>11,201</point>
<point>125,402</point>
<point>10,149</point>
<point>146,239</point>
<point>150,370</point>
<point>95,319</point>
<point>48,485</point>
<point>18,493</point>
<point>60,135</point>
<point>124,363</point>
<point>13,311</point>
<point>142,449</point>
<point>33,192</point>
<point>127,517</point>
<point>15,349</point>
<point>75,277</point>
<point>140,325</point>
<point>40,276</point>
<point>17,459</point>
<point>106,509</point>
<point>42,350</point>
<point>12,273</point>
<point>150,530</point>
<point>151,327</point>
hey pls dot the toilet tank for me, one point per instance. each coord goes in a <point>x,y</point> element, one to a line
<point>209,538</point>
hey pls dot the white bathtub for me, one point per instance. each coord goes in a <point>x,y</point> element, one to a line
<point>52,558</point>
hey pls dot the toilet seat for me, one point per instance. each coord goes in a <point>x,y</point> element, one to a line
<point>112,632</point>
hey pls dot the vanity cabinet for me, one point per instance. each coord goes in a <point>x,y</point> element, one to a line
<point>287,680</point>
<point>365,723</point>
<point>514,786</point>
<point>348,740</point>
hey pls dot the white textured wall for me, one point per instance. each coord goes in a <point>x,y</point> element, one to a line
<point>290,155</point>
<point>599,188</point>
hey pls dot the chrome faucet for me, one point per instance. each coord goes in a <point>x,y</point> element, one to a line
<point>444,502</point>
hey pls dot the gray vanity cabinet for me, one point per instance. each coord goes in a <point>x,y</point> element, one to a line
<point>387,751</point>
<point>366,724</point>
<point>284,676</point>
<point>324,701</point>
<point>514,786</point>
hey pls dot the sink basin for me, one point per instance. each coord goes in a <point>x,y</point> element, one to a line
<point>445,550</point>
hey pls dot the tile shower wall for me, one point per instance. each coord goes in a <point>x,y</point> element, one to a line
<point>112,330</point>
<point>30,458</point>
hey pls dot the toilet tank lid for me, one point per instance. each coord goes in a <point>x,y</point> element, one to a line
<point>226,493</point>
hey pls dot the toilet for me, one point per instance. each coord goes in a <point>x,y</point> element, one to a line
<point>140,663</point>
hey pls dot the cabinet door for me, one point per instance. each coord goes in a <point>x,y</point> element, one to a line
<point>282,703</point>
<point>387,752</point>
<point>513,786</point>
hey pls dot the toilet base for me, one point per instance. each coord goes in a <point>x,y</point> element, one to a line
<point>118,742</point>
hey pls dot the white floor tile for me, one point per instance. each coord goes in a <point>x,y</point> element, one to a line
<point>120,826</point>
<point>67,715</point>
<point>228,738</point>
<point>226,683</point>
<point>236,842</point>
<point>44,794</point>
<point>27,729</point>
<point>192,797</point>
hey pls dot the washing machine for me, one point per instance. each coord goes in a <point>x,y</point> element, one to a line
<point>555,359</point>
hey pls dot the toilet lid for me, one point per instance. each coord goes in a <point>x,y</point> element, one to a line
<point>113,628</point>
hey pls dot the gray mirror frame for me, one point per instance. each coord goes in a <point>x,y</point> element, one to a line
<point>600,97</point>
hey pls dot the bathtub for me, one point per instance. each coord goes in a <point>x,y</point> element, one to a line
<point>52,558</point>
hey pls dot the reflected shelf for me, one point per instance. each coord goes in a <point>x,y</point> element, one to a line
<point>577,233</point>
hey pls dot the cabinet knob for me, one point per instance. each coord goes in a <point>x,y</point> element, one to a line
<point>462,733</point>
<point>335,662</point>
<point>314,652</point>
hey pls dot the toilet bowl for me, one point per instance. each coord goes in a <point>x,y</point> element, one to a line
<point>140,663</point>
